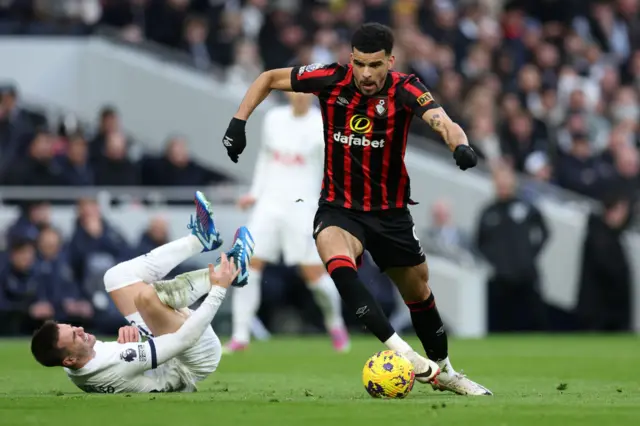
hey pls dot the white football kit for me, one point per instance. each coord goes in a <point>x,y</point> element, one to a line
<point>286,185</point>
<point>169,363</point>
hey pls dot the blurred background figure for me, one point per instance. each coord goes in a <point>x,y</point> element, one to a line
<point>25,300</point>
<point>604,302</point>
<point>511,234</point>
<point>444,238</point>
<point>286,180</point>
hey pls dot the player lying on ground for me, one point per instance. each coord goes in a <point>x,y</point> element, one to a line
<point>183,348</point>
<point>285,187</point>
<point>367,109</point>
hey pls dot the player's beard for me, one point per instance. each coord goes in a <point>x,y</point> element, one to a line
<point>369,90</point>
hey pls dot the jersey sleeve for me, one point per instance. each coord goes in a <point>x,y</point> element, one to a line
<point>136,357</point>
<point>314,78</point>
<point>416,96</point>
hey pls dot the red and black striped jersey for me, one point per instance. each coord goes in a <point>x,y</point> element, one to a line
<point>365,136</point>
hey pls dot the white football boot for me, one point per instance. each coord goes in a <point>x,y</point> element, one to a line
<point>457,382</point>
<point>426,371</point>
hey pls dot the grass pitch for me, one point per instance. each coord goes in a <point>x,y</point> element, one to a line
<point>537,380</point>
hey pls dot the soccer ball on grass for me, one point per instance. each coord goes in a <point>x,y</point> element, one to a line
<point>388,374</point>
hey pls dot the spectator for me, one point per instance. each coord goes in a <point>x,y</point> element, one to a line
<point>483,137</point>
<point>604,301</point>
<point>196,35</point>
<point>76,170</point>
<point>510,235</point>
<point>95,245</point>
<point>539,168</point>
<point>109,123</point>
<point>55,274</point>
<point>176,168</point>
<point>34,216</point>
<point>580,170</point>
<point>520,140</point>
<point>114,168</point>
<point>23,296</point>
<point>39,167</point>
<point>16,127</point>
<point>444,238</point>
<point>246,66</point>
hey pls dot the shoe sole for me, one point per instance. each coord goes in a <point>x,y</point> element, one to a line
<point>439,387</point>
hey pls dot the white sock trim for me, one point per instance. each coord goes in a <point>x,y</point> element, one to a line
<point>396,343</point>
<point>136,320</point>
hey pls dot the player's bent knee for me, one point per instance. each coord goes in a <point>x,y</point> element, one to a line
<point>145,298</point>
<point>119,276</point>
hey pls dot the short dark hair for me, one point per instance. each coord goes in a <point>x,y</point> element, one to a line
<point>44,345</point>
<point>373,37</point>
<point>19,243</point>
<point>108,111</point>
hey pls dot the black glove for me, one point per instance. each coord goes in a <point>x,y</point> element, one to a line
<point>235,139</point>
<point>465,157</point>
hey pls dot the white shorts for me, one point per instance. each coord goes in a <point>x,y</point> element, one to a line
<point>203,358</point>
<point>284,230</point>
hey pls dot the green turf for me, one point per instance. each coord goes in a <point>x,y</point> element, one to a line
<point>302,382</point>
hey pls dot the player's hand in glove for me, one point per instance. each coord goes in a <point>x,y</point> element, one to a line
<point>465,157</point>
<point>235,139</point>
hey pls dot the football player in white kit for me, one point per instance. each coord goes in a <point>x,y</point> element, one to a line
<point>182,348</point>
<point>284,194</point>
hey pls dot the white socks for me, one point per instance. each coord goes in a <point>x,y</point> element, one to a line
<point>152,266</point>
<point>244,306</point>
<point>328,299</point>
<point>445,366</point>
<point>135,319</point>
<point>185,289</point>
<point>396,343</point>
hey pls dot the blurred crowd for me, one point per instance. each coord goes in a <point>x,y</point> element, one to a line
<point>34,152</point>
<point>550,86</point>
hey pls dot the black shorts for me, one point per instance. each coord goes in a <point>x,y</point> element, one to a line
<point>388,235</point>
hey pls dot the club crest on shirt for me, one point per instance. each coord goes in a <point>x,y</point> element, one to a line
<point>128,355</point>
<point>381,107</point>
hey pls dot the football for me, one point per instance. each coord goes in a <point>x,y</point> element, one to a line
<point>388,374</point>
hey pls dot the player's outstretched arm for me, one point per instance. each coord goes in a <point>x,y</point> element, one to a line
<point>235,139</point>
<point>277,79</point>
<point>420,100</point>
<point>163,348</point>
<point>453,135</point>
<point>450,131</point>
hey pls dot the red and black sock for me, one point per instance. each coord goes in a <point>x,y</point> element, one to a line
<point>357,297</point>
<point>429,328</point>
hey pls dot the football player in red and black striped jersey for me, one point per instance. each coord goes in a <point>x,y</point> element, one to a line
<point>367,109</point>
